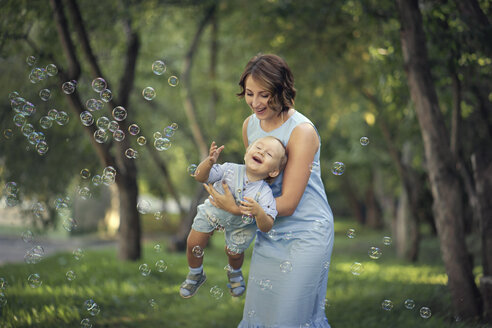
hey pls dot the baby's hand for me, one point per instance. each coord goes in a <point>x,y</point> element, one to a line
<point>250,207</point>
<point>214,152</point>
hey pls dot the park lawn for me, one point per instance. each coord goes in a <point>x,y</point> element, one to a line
<point>126,298</point>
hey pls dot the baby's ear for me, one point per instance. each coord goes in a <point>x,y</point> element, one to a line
<point>274,174</point>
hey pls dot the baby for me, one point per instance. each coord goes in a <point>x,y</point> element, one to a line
<point>264,160</point>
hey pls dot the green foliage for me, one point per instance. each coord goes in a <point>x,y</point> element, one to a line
<point>123,294</point>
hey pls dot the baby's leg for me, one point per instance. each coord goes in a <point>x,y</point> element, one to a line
<point>196,238</point>
<point>235,260</point>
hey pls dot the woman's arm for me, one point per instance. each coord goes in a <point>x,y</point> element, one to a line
<point>303,145</point>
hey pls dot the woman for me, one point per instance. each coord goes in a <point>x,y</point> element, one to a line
<point>289,267</point>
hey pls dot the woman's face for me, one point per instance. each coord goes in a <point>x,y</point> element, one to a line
<point>257,97</point>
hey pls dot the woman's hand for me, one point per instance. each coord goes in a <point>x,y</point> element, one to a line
<point>225,202</point>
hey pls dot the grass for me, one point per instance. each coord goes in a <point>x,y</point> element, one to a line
<point>125,297</point>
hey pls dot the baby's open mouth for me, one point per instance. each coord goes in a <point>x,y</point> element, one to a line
<point>257,159</point>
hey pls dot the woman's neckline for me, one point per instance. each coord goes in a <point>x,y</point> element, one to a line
<point>278,127</point>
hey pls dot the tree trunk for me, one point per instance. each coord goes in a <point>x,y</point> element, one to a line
<point>178,241</point>
<point>374,217</point>
<point>482,168</point>
<point>356,205</point>
<point>444,179</point>
<point>130,232</point>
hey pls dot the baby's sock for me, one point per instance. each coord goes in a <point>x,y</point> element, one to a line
<point>198,270</point>
<point>237,290</point>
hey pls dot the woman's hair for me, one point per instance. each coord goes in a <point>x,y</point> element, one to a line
<point>272,72</point>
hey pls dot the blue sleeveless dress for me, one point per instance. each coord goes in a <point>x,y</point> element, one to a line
<point>289,267</point>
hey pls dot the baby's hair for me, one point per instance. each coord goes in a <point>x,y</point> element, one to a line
<point>283,158</point>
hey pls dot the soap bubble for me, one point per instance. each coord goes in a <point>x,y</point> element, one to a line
<point>45,122</point>
<point>337,168</point>
<point>19,120</point>
<point>285,267</point>
<point>131,153</point>
<point>34,280</point>
<point>141,140</point>
<point>68,88</point>
<point>69,224</point>
<point>11,188</point>
<point>425,312</point>
<point>197,251</point>
<point>191,169</point>
<point>3,300</point>
<point>86,118</point>
<point>85,173</point>
<point>173,81</point>
<point>31,60</point>
<point>158,215</point>
<point>113,126</point>
<point>387,240</point>
<point>357,269</point>
<point>153,303</point>
<point>157,248</point>
<point>38,210</point>
<point>157,135</point>
<point>374,253</point>
<point>351,233</point>
<point>34,255</point>
<point>92,307</point>
<point>62,118</point>
<point>387,305</point>
<point>51,69</point>
<point>409,304</point>
<point>216,292</point>
<point>265,284</point>
<point>144,269</point>
<point>27,236</point>
<point>103,123</point>
<point>247,219</point>
<point>143,206</point>
<point>78,253</point>
<point>45,94</point>
<point>42,147</point>
<point>174,126</point>
<point>134,129</point>
<point>3,284</point>
<point>106,95</point>
<point>52,114</point>
<point>364,141</point>
<point>27,129</point>
<point>28,109</point>
<point>91,104</point>
<point>85,323</point>
<point>8,133</point>
<point>159,67</point>
<point>119,113</point>
<point>118,135</point>
<point>99,84</point>
<point>168,132</point>
<point>70,275</point>
<point>148,93</point>
<point>100,136</point>
<point>162,144</point>
<point>161,265</point>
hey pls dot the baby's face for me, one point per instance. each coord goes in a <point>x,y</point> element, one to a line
<point>263,157</point>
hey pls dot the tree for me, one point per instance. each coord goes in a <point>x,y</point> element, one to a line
<point>440,164</point>
<point>129,230</point>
